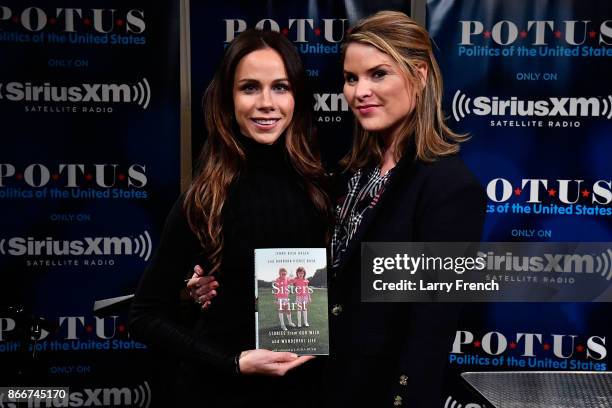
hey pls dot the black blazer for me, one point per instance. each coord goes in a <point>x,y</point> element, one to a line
<point>394,354</point>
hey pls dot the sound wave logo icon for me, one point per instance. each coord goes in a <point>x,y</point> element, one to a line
<point>607,107</point>
<point>140,246</point>
<point>463,105</point>
<point>604,264</point>
<point>142,93</point>
<point>143,246</point>
<point>142,395</point>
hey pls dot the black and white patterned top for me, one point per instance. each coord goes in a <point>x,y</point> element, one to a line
<point>364,190</point>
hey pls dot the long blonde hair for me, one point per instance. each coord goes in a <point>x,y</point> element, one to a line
<point>409,45</point>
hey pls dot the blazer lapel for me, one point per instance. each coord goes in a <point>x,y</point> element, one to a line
<point>403,168</point>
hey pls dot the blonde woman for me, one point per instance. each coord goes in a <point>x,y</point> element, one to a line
<point>403,182</point>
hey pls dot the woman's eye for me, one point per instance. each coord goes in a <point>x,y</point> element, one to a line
<point>379,74</point>
<point>281,87</point>
<point>248,88</point>
<point>350,79</point>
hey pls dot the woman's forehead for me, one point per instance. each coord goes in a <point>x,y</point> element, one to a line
<point>365,57</point>
<point>262,65</point>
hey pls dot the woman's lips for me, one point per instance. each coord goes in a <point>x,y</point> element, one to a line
<point>366,109</point>
<point>265,123</point>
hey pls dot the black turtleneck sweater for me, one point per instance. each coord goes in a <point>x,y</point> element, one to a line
<point>267,207</point>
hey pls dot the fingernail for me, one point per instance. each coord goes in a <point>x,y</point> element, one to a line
<point>294,356</point>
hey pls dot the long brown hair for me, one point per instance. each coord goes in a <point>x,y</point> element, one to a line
<point>222,156</point>
<point>409,45</point>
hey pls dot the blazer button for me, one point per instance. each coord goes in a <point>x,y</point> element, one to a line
<point>336,310</point>
<point>403,380</point>
<point>398,401</point>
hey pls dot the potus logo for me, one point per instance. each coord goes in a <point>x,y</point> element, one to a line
<point>537,32</point>
<point>562,346</point>
<point>296,29</point>
<point>71,20</point>
<point>74,175</point>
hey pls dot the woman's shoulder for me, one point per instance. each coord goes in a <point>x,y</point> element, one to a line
<point>446,177</point>
<point>176,217</point>
<point>449,170</point>
<point>176,220</point>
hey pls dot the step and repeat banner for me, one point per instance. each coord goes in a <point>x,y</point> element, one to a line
<point>89,167</point>
<point>530,82</point>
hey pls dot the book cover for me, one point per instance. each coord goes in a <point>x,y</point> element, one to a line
<point>291,300</point>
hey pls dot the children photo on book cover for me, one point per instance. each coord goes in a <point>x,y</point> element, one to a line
<point>291,296</point>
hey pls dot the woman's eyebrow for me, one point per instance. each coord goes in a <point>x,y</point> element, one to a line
<point>247,80</point>
<point>384,64</point>
<point>374,68</point>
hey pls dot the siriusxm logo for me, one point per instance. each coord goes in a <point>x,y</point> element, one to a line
<point>463,106</point>
<point>30,246</point>
<point>560,263</point>
<point>330,102</point>
<point>138,93</point>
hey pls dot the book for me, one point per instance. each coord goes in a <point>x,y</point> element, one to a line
<point>291,300</point>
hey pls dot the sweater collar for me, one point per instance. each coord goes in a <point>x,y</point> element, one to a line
<point>262,154</point>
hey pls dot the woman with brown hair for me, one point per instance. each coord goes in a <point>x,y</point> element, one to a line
<point>403,183</point>
<point>259,186</point>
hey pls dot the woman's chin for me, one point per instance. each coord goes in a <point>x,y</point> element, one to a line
<point>264,138</point>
